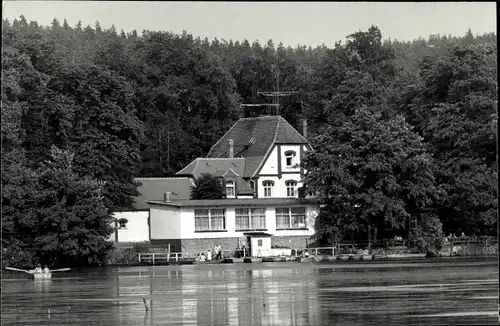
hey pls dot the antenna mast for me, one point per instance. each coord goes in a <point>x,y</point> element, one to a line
<point>277,95</point>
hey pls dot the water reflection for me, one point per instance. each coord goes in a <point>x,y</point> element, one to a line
<point>257,294</point>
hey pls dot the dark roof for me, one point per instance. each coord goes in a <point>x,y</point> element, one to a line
<point>154,188</point>
<point>234,202</point>
<point>214,166</point>
<point>253,138</point>
<point>220,167</point>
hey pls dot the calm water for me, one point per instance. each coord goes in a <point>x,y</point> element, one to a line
<point>404,293</point>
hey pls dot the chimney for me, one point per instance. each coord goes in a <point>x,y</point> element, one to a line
<point>167,197</point>
<point>231,148</point>
<point>304,128</point>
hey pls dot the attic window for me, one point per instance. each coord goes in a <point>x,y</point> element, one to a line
<point>230,188</point>
<point>122,223</point>
<point>290,158</point>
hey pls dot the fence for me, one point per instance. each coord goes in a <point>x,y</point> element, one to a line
<point>158,257</point>
<point>322,251</point>
<point>485,247</point>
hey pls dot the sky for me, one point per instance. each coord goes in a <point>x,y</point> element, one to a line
<point>292,23</point>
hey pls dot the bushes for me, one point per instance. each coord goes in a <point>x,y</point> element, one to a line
<point>428,236</point>
<point>123,256</point>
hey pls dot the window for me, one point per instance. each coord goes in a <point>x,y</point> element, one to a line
<point>268,188</point>
<point>250,218</point>
<point>289,158</point>
<point>259,242</point>
<point>290,188</point>
<point>290,218</point>
<point>122,223</point>
<point>230,188</point>
<point>209,219</point>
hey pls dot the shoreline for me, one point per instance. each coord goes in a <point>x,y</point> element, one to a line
<point>311,260</point>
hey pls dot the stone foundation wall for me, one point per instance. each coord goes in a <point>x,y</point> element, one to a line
<point>291,241</point>
<point>192,247</point>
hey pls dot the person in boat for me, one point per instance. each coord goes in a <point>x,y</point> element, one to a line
<point>46,270</point>
<point>209,255</point>
<point>38,269</point>
<point>201,257</point>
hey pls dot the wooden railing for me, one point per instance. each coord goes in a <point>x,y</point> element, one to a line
<point>327,251</point>
<point>156,257</point>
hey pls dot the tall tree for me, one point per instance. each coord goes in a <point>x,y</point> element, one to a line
<point>372,174</point>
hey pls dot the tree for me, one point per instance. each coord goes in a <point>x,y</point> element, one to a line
<point>207,187</point>
<point>455,110</point>
<point>428,235</point>
<point>73,222</point>
<point>372,174</point>
<point>61,219</point>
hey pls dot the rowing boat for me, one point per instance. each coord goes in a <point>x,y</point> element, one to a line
<point>38,276</point>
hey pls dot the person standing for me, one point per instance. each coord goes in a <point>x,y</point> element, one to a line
<point>218,252</point>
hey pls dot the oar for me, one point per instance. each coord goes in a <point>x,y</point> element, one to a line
<point>18,270</point>
<point>60,270</point>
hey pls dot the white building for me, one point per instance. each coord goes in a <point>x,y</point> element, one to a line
<point>258,160</point>
<point>132,226</point>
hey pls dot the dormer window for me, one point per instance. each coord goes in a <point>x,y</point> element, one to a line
<point>290,188</point>
<point>122,223</point>
<point>290,158</point>
<point>230,193</point>
<point>268,188</point>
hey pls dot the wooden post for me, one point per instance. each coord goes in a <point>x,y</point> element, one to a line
<point>451,249</point>
<point>153,258</point>
<point>139,257</point>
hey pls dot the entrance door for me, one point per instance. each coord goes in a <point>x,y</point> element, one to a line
<point>249,246</point>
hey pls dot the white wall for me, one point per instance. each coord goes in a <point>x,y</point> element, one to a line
<point>165,222</point>
<point>265,249</point>
<point>279,188</point>
<point>173,223</point>
<point>137,229</point>
<point>271,164</point>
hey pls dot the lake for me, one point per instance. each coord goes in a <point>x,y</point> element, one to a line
<point>421,292</point>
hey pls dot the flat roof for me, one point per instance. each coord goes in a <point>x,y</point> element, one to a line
<point>234,202</point>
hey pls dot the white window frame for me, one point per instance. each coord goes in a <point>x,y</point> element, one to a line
<point>290,155</point>
<point>252,214</point>
<point>290,188</point>
<point>230,186</point>
<point>268,188</point>
<point>291,217</point>
<point>209,216</point>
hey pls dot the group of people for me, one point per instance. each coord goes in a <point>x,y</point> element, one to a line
<point>38,269</point>
<point>454,237</point>
<point>207,255</point>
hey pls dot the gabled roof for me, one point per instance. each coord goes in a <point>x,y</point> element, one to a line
<point>253,138</point>
<point>154,188</point>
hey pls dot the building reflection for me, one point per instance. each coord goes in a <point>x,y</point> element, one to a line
<point>219,296</point>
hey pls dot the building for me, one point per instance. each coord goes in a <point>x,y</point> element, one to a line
<point>132,226</point>
<point>258,160</point>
